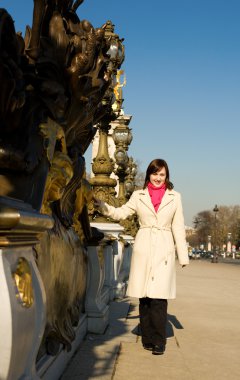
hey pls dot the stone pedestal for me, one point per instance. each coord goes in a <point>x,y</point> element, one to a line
<point>21,326</point>
<point>127,241</point>
<point>97,310</point>
<point>22,317</point>
<point>109,272</point>
<point>229,247</point>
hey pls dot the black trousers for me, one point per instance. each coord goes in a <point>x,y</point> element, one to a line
<point>153,320</point>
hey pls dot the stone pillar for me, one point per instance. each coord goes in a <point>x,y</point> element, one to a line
<point>109,268</point>
<point>209,246</point>
<point>229,243</point>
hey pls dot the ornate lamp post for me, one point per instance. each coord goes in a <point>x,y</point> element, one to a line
<point>103,165</point>
<point>215,253</point>
<point>122,138</point>
<point>122,135</point>
<point>131,224</point>
<point>126,169</point>
<point>116,49</point>
<point>130,178</point>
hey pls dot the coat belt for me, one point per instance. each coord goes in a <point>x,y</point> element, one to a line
<point>157,227</point>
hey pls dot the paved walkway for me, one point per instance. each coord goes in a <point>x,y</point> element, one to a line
<point>203,333</point>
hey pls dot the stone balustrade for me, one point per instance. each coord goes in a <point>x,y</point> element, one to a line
<point>23,301</point>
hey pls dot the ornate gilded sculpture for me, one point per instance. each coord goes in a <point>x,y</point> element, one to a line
<point>23,282</point>
<point>54,83</point>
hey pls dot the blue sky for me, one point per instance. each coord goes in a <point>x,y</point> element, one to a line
<point>183,89</point>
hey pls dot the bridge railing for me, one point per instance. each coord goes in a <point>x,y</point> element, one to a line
<point>23,298</point>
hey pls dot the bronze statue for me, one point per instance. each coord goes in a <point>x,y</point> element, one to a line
<point>53,82</point>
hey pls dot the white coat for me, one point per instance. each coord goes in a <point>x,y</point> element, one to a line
<point>152,271</point>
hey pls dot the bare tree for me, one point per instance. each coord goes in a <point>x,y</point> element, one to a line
<point>140,176</point>
<point>227,221</point>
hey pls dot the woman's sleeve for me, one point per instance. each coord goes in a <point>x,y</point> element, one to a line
<point>179,234</point>
<point>118,213</point>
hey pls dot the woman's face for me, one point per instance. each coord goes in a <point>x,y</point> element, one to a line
<point>158,179</point>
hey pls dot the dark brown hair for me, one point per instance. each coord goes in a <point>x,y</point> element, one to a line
<point>155,166</point>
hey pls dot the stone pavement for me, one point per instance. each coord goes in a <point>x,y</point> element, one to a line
<point>203,333</point>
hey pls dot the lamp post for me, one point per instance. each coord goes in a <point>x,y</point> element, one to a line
<point>197,251</point>
<point>215,253</point>
<point>122,138</point>
<point>196,223</point>
<point>103,166</point>
<point>116,49</point>
<point>130,179</point>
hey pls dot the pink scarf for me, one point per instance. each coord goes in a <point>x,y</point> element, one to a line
<point>156,194</point>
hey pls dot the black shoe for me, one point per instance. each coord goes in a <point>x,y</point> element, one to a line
<point>148,346</point>
<point>158,349</point>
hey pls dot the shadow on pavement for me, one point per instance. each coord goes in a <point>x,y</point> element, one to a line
<point>97,354</point>
<point>172,321</point>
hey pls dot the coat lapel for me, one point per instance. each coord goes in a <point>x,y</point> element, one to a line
<point>146,199</point>
<point>167,198</point>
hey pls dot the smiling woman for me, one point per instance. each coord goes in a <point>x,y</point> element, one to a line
<point>157,180</point>
<point>152,272</point>
<point>158,174</point>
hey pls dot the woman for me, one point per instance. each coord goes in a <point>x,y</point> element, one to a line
<point>152,274</point>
